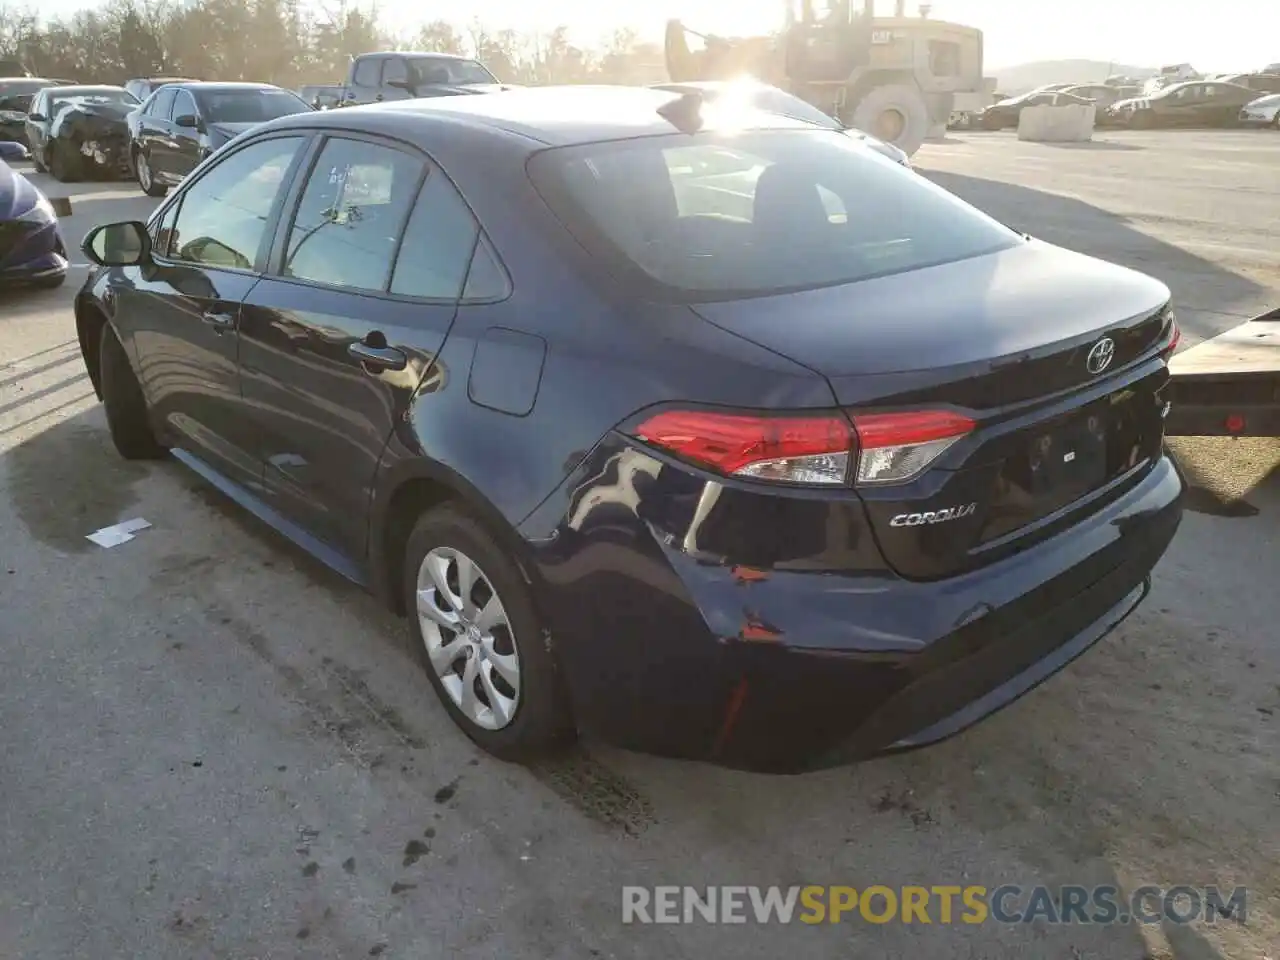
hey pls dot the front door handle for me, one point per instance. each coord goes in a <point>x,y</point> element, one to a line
<point>219,320</point>
<point>379,358</point>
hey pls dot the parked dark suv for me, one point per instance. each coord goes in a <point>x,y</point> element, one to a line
<point>709,431</point>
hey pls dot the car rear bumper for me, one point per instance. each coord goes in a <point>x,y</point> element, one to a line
<point>672,650</point>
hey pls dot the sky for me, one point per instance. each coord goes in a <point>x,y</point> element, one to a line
<point>1221,36</point>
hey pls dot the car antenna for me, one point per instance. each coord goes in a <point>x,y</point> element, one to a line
<point>685,112</point>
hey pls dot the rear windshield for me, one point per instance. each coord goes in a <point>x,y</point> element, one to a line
<point>249,106</point>
<point>718,216</point>
<point>446,70</point>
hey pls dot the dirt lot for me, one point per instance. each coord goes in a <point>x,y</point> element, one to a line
<point>211,747</point>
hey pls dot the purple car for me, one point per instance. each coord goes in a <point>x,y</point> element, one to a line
<point>31,247</point>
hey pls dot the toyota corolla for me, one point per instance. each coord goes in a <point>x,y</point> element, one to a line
<point>714,435</point>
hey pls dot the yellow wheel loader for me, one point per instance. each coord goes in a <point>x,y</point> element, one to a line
<point>900,78</point>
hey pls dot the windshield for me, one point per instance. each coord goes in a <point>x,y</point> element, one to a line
<point>445,70</point>
<point>719,216</point>
<point>249,106</point>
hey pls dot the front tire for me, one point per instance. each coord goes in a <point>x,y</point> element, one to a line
<point>122,398</point>
<point>480,638</point>
<point>896,114</point>
<point>146,177</point>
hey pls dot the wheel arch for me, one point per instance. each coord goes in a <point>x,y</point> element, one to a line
<point>90,320</point>
<point>860,83</point>
<point>401,494</point>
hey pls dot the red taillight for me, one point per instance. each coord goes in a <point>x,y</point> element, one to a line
<point>1235,423</point>
<point>793,449</point>
<point>896,447</point>
<point>1175,337</point>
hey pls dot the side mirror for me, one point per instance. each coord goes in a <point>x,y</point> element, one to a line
<point>9,150</point>
<point>37,117</point>
<point>188,121</point>
<point>118,244</point>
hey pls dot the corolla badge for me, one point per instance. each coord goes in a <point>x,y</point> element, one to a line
<point>933,516</point>
<point>1101,355</point>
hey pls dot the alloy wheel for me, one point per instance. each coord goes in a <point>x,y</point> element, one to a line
<point>144,172</point>
<point>469,639</point>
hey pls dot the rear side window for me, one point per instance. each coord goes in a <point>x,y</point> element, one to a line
<point>366,74</point>
<point>351,215</point>
<point>718,216</point>
<point>438,244</point>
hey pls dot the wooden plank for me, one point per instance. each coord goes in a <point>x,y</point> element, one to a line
<point>1250,348</point>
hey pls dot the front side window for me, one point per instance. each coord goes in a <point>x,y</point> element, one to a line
<point>162,103</point>
<point>351,215</point>
<point>366,73</point>
<point>184,105</point>
<point>222,221</point>
<point>724,215</point>
<point>395,70</point>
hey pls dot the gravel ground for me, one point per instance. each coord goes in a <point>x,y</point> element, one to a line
<point>211,747</point>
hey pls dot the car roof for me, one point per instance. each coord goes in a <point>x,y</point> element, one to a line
<point>72,90</point>
<point>550,116</point>
<point>217,85</point>
<point>437,55</point>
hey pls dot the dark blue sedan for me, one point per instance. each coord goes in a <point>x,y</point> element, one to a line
<point>31,249</point>
<point>714,434</point>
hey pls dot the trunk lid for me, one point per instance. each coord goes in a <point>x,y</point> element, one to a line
<point>1006,340</point>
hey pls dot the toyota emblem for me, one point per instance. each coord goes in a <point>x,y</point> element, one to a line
<point>1101,355</point>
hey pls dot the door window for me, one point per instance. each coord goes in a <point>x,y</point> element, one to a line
<point>394,70</point>
<point>351,215</point>
<point>184,105</point>
<point>224,215</point>
<point>163,103</point>
<point>438,243</point>
<point>366,74</point>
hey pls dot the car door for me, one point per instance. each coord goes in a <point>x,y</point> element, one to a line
<point>182,309</point>
<point>1189,106</point>
<point>155,139</point>
<point>365,281</point>
<point>186,148</point>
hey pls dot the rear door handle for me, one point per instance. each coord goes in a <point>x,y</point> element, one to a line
<point>219,320</point>
<point>379,358</point>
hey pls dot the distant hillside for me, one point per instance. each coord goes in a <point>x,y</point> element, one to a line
<point>1028,76</point>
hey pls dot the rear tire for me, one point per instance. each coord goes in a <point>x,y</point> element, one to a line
<point>146,178</point>
<point>505,638</point>
<point>897,114</point>
<point>122,398</point>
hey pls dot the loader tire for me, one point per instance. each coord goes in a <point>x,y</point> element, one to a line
<point>896,114</point>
